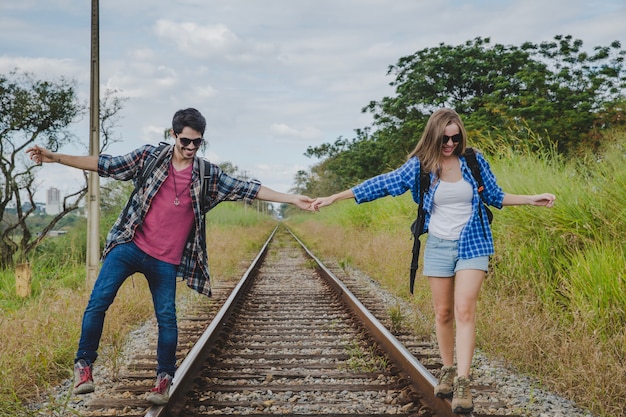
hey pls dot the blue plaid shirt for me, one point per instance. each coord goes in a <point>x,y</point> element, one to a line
<point>194,266</point>
<point>476,238</point>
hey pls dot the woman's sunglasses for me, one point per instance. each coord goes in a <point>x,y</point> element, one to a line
<point>196,142</point>
<point>455,138</point>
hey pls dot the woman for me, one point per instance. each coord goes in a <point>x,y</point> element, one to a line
<point>459,242</point>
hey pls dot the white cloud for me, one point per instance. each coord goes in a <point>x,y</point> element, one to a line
<point>149,133</point>
<point>198,40</point>
<point>283,130</point>
<point>48,68</point>
<point>272,77</point>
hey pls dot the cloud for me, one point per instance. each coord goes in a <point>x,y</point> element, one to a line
<point>149,133</point>
<point>197,40</point>
<point>283,130</point>
<point>272,77</point>
<point>276,176</point>
<point>44,67</point>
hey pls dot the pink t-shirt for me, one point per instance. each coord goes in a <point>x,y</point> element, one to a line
<point>166,227</point>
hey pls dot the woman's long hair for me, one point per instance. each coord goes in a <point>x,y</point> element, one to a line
<point>428,149</point>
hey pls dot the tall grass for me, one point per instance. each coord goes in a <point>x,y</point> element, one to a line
<point>40,333</point>
<point>577,250</point>
<point>54,265</point>
<point>554,302</point>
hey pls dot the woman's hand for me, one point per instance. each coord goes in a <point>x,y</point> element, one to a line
<point>545,199</point>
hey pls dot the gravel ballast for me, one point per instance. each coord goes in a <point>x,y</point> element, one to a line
<point>521,394</point>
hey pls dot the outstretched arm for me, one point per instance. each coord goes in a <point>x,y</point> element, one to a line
<point>300,201</point>
<point>327,201</point>
<point>545,199</point>
<point>40,155</point>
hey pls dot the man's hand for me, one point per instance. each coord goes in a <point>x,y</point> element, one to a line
<point>322,202</point>
<point>39,155</point>
<point>303,202</point>
<point>327,201</point>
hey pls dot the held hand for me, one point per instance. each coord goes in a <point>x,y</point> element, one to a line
<point>327,201</point>
<point>39,155</point>
<point>545,199</point>
<point>303,202</point>
<point>322,202</point>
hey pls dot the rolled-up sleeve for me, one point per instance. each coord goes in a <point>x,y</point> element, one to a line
<point>226,188</point>
<point>123,167</point>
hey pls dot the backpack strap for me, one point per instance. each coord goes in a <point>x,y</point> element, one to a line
<point>148,166</point>
<point>472,163</point>
<point>153,160</point>
<point>418,225</point>
<point>205,175</point>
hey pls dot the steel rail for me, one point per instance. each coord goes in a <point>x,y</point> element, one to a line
<point>187,369</point>
<point>422,379</point>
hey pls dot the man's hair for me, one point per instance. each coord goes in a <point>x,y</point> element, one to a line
<point>189,117</point>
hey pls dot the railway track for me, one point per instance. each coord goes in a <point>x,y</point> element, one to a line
<point>289,338</point>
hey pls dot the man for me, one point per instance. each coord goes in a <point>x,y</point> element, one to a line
<point>160,233</point>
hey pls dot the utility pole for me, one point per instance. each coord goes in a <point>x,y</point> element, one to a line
<point>93,192</point>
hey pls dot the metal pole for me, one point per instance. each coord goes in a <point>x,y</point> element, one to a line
<point>93,194</point>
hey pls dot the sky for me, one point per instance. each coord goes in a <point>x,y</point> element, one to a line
<point>272,77</point>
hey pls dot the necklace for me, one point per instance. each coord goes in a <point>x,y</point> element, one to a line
<point>447,168</point>
<point>176,193</point>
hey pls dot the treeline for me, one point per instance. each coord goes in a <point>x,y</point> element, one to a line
<point>549,95</point>
<point>42,112</point>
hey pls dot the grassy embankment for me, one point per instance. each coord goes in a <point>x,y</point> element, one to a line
<point>40,334</point>
<point>554,303</point>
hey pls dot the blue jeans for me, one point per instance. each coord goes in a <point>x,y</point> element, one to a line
<point>123,261</point>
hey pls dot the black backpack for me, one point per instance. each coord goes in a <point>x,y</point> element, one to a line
<point>417,228</point>
<point>155,157</point>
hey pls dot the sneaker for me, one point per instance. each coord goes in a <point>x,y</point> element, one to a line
<point>83,380</point>
<point>462,401</point>
<point>446,381</point>
<point>160,394</point>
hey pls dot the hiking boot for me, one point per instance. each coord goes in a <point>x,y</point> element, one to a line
<point>83,380</point>
<point>446,381</point>
<point>160,394</point>
<point>462,400</point>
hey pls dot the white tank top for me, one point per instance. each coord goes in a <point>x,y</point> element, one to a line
<point>452,208</point>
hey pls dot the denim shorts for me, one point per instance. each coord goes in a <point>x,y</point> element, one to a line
<point>441,258</point>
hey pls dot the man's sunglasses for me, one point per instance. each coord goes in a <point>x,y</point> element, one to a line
<point>456,138</point>
<point>196,142</point>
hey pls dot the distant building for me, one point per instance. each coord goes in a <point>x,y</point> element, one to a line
<point>40,208</point>
<point>55,233</point>
<point>53,201</point>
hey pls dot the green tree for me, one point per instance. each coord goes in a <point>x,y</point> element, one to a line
<point>552,92</point>
<point>554,89</point>
<point>229,168</point>
<point>36,112</point>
